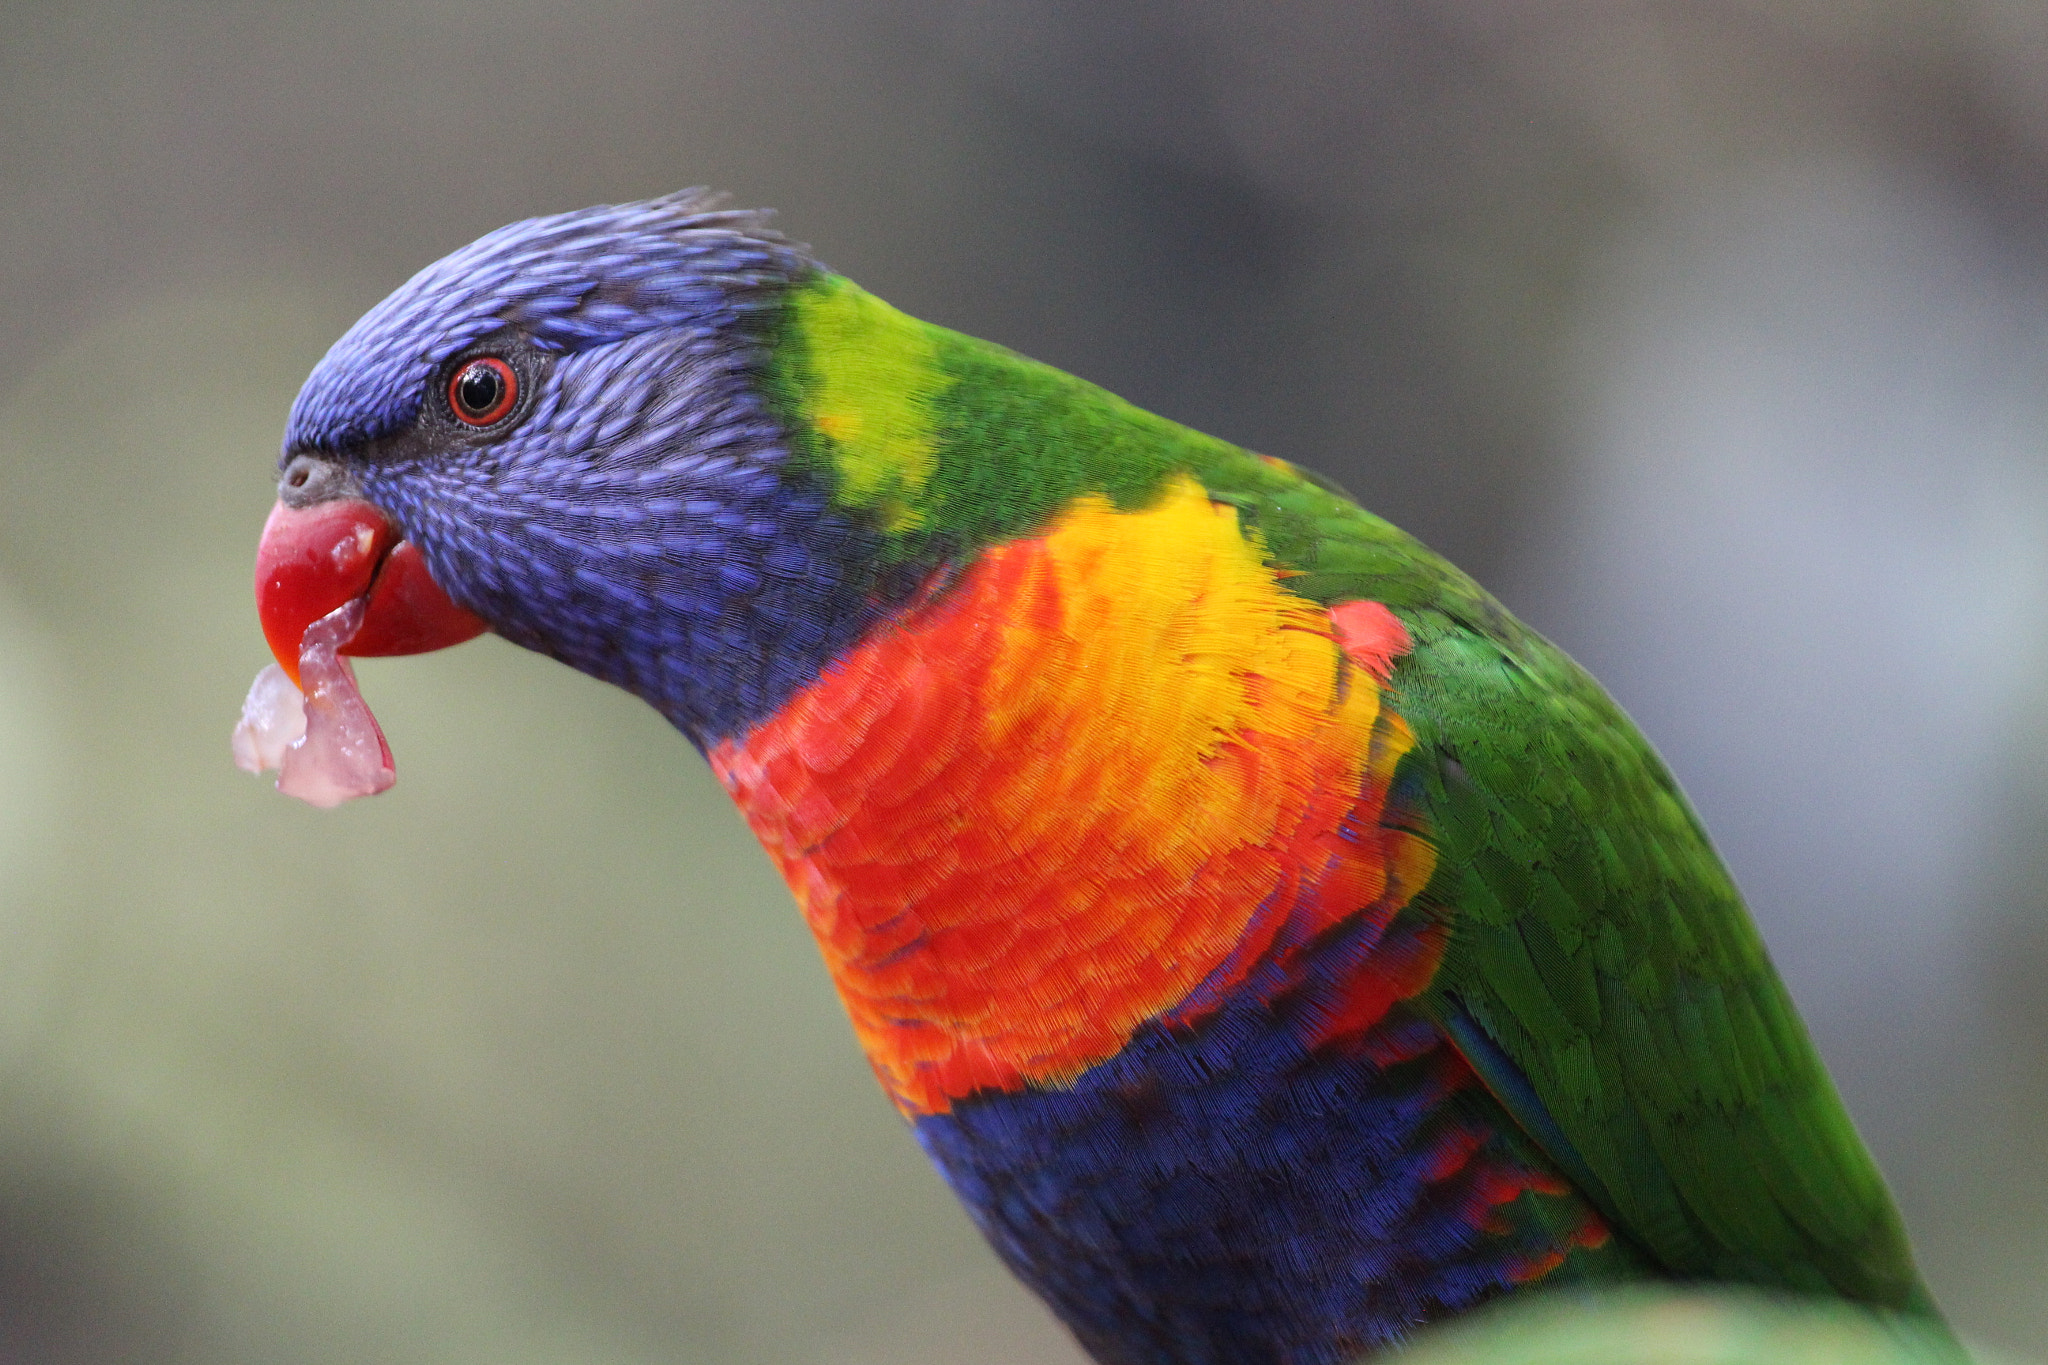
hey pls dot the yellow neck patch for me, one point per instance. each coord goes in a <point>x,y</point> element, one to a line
<point>872,373</point>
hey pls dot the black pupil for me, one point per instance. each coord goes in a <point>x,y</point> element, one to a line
<point>479,389</point>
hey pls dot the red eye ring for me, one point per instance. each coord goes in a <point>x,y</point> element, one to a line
<point>483,391</point>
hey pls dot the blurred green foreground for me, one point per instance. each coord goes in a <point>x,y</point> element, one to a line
<point>1684,1328</point>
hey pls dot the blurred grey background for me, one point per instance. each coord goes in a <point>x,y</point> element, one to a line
<point>1710,333</point>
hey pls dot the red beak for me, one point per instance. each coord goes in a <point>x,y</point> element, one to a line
<point>314,559</point>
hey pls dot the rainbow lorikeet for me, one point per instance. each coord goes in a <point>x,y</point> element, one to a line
<point>1275,944</point>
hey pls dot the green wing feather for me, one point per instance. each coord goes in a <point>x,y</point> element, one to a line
<point>1603,977</point>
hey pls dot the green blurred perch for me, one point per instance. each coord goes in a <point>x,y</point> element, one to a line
<point>1685,1327</point>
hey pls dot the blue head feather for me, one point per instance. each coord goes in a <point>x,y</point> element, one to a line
<point>569,282</point>
<point>639,518</point>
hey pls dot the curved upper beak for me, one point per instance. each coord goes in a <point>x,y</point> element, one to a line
<point>320,556</point>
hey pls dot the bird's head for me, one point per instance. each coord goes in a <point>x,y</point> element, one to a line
<point>559,433</point>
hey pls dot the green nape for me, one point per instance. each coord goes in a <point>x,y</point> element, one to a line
<point>949,443</point>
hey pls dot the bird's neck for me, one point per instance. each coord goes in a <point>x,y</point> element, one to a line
<point>943,444</point>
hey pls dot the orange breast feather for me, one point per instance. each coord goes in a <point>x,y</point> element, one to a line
<point>1093,783</point>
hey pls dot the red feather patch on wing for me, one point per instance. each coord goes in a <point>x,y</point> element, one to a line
<point>1371,635</point>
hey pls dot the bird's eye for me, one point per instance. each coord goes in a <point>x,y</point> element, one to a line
<point>483,391</point>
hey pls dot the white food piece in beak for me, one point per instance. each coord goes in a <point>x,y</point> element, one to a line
<point>326,745</point>
<point>273,719</point>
